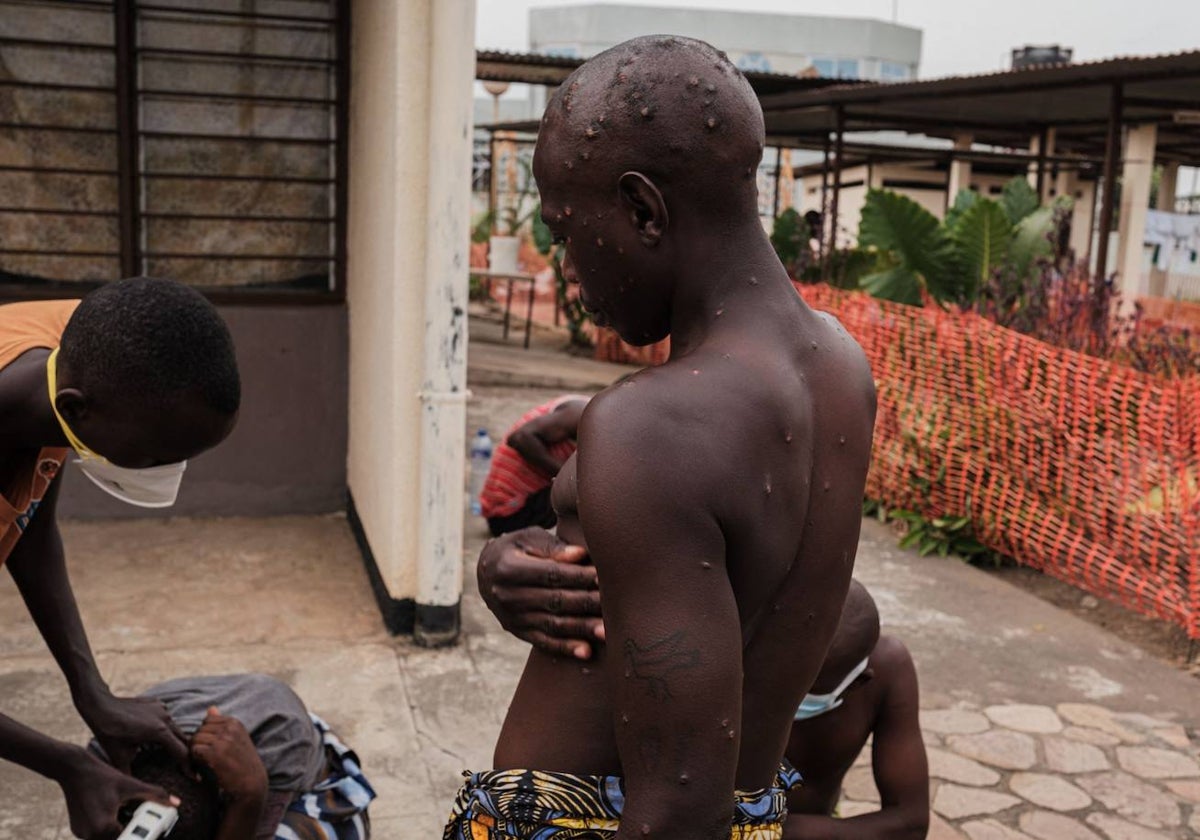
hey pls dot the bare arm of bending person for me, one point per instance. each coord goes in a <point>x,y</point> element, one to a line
<point>899,763</point>
<point>39,569</point>
<point>533,440</point>
<point>674,658</point>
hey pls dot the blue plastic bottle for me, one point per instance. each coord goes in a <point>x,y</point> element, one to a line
<point>481,463</point>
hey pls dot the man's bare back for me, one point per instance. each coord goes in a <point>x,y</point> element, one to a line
<point>719,495</point>
<point>774,464</point>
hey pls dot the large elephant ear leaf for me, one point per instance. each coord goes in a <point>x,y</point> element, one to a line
<point>543,239</point>
<point>1019,199</point>
<point>983,234</point>
<point>897,283</point>
<point>1031,240</point>
<point>962,203</point>
<point>923,253</point>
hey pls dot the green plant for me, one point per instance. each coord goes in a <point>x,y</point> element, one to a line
<point>789,237</point>
<point>1019,199</point>
<point>954,260</point>
<point>923,259</point>
<point>983,235</point>
<point>844,268</point>
<point>572,309</point>
<point>941,535</point>
<point>481,228</point>
<point>512,217</point>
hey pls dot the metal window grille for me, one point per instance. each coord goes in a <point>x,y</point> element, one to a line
<point>204,141</point>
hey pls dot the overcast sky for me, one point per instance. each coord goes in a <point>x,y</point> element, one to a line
<point>961,36</point>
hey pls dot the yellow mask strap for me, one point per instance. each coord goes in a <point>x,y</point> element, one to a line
<point>72,438</point>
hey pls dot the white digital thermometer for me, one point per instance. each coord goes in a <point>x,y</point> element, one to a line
<point>151,821</point>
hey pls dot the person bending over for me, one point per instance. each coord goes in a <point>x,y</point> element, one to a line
<point>719,495</point>
<point>866,687</point>
<point>517,491</point>
<point>137,377</point>
<point>267,767</point>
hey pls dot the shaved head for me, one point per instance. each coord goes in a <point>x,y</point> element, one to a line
<point>675,109</point>
<point>644,151</point>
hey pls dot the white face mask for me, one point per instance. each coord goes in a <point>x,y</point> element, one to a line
<point>152,487</point>
<point>818,704</point>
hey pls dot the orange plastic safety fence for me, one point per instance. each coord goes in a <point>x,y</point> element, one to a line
<point>1080,467</point>
<point>610,348</point>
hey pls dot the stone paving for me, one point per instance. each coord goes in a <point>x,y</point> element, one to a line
<point>1019,770</point>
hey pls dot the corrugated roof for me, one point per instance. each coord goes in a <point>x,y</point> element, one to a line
<point>1007,108</point>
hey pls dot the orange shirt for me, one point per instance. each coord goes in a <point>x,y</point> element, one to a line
<point>24,327</point>
<point>511,479</point>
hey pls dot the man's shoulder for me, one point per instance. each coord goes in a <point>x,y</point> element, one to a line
<point>846,357</point>
<point>639,404</point>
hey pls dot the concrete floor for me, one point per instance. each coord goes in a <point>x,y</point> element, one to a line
<point>288,597</point>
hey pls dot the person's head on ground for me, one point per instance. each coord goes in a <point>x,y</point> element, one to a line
<point>646,150</point>
<point>200,798</point>
<point>146,373</point>
<point>856,636</point>
<point>813,220</point>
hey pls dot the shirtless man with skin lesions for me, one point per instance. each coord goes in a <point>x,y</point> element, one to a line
<point>718,496</point>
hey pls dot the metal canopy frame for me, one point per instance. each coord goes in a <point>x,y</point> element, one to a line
<point>1086,106</point>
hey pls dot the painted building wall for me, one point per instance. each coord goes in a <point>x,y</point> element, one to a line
<point>410,135</point>
<point>927,187</point>
<point>287,454</point>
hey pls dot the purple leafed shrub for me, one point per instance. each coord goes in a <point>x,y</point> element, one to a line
<point>1065,308</point>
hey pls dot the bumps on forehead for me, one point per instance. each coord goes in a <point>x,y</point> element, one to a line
<point>662,105</point>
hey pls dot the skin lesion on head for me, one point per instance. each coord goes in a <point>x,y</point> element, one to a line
<point>657,664</point>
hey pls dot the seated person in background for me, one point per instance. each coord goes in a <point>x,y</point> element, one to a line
<point>867,686</point>
<point>517,491</point>
<point>267,767</point>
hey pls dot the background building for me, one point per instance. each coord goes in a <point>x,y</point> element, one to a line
<point>836,47</point>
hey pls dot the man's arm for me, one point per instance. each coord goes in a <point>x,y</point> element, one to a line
<point>674,659</point>
<point>898,761</point>
<point>39,569</point>
<point>534,439</point>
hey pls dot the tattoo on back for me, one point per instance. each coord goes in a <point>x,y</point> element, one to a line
<point>656,663</point>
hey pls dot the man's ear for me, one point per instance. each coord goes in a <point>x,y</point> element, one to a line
<point>645,205</point>
<point>71,404</point>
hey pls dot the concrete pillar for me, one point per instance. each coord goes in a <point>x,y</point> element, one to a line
<point>1083,212</point>
<point>1136,175</point>
<point>1166,203</point>
<point>787,181</point>
<point>960,170</point>
<point>875,173</point>
<point>409,218</point>
<point>1038,171</point>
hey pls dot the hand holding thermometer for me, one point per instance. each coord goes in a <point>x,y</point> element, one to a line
<point>151,821</point>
